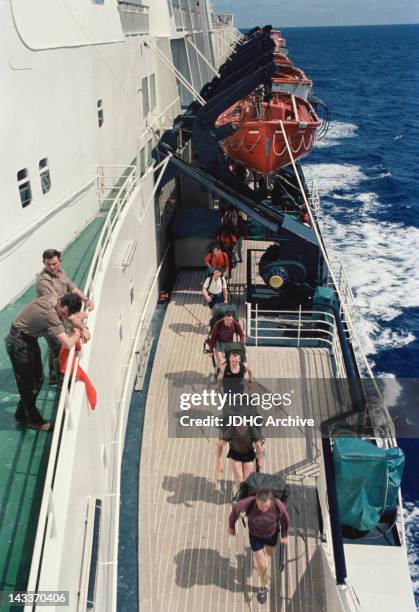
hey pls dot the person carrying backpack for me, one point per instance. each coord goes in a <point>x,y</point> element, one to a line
<point>216,258</point>
<point>214,289</point>
<point>244,447</point>
<point>227,238</point>
<point>267,519</point>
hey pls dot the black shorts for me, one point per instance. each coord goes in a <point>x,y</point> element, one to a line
<point>247,458</point>
<point>260,543</point>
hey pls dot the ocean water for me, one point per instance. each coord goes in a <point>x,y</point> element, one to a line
<point>367,172</point>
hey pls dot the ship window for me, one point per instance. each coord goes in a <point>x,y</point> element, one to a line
<point>142,161</point>
<point>153,101</point>
<point>100,118</point>
<point>45,175</point>
<point>144,89</point>
<point>24,185</point>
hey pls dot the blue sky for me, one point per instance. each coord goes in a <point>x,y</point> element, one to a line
<point>319,12</point>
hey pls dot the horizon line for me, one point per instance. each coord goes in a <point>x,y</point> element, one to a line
<point>349,25</point>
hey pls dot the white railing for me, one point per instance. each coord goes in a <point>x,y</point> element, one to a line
<point>164,119</point>
<point>107,186</point>
<point>134,17</point>
<point>126,187</point>
<point>347,317</point>
<point>298,328</point>
<point>314,200</point>
<point>344,291</point>
<point>142,332</point>
<point>337,279</point>
<point>290,327</point>
<point>179,18</point>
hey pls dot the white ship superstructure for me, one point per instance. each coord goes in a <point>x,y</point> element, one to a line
<point>88,88</point>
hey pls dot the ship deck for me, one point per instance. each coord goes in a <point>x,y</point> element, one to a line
<point>186,558</point>
<point>24,453</point>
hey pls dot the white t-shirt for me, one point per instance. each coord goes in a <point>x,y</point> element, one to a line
<point>215,286</point>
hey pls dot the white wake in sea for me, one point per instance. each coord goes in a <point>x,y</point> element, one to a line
<point>380,257</point>
<point>411,524</point>
<point>337,130</point>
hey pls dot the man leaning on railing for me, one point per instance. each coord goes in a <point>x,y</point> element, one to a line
<point>45,317</point>
<point>53,280</point>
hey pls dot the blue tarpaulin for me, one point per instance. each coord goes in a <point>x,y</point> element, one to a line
<point>367,481</point>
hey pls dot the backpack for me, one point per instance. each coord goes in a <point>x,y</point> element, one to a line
<point>220,310</point>
<point>258,481</point>
<point>209,273</point>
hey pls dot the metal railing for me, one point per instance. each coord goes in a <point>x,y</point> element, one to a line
<point>314,200</point>
<point>179,18</point>
<point>119,189</point>
<point>289,327</point>
<point>164,119</point>
<point>134,17</point>
<point>296,328</point>
<point>344,291</point>
<point>338,280</point>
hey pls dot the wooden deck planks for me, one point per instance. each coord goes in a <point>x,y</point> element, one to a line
<point>186,559</point>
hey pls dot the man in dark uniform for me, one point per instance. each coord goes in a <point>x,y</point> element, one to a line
<point>41,317</point>
<point>54,281</point>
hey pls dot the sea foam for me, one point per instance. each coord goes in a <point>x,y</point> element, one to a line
<point>380,257</point>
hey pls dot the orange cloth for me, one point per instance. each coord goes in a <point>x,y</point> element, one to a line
<point>222,261</point>
<point>228,239</point>
<point>80,374</point>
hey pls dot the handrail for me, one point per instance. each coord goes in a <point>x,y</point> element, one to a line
<point>300,322</point>
<point>156,119</point>
<point>66,394</point>
<point>326,259</point>
<point>124,399</point>
<point>63,404</point>
<point>111,220</point>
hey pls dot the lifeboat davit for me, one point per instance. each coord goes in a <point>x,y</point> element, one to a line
<point>292,80</point>
<point>258,141</point>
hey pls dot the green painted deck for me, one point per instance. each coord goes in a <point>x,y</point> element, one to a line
<point>24,452</point>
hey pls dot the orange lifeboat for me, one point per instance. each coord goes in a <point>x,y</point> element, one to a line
<point>280,42</point>
<point>281,59</point>
<point>258,141</point>
<point>293,81</point>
